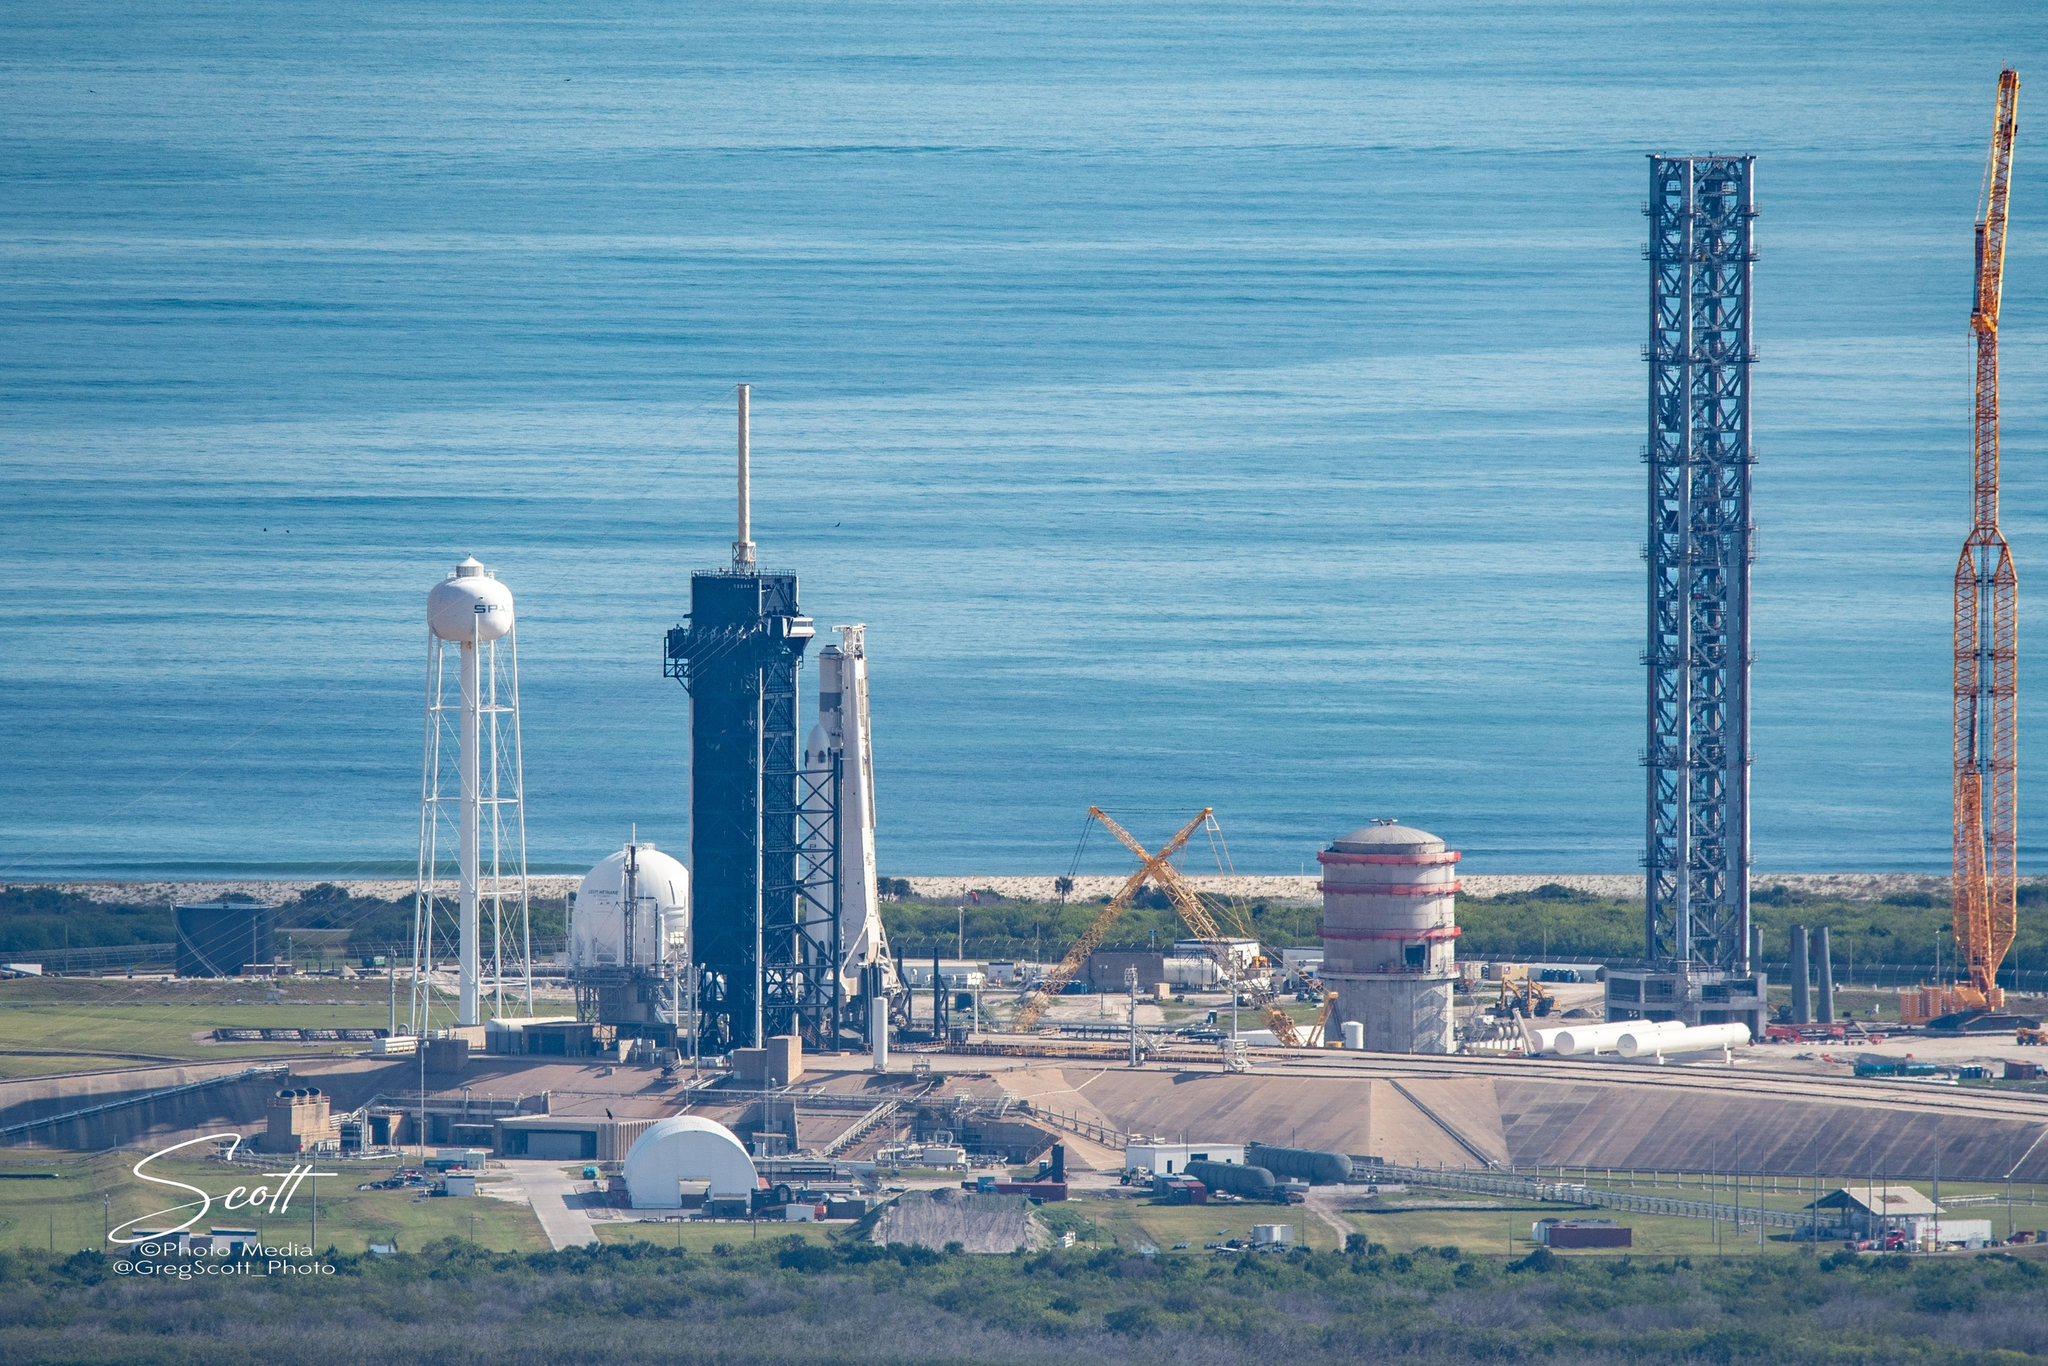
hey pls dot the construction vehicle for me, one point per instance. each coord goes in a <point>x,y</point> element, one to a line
<point>1986,768</point>
<point>1245,979</point>
<point>1319,1028</point>
<point>2032,1035</point>
<point>1521,994</point>
<point>1091,938</point>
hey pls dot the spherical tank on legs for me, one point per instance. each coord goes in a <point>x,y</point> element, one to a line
<point>469,609</point>
<point>469,606</point>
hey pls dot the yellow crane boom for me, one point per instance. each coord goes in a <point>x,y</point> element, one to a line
<point>1150,869</point>
<point>1986,765</point>
<point>1188,903</point>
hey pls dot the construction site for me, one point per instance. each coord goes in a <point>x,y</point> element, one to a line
<point>727,1034</point>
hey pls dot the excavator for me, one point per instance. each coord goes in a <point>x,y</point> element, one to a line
<point>1158,868</point>
<point>1986,768</point>
<point>1521,995</point>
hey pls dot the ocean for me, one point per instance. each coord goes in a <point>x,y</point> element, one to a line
<point>1201,405</point>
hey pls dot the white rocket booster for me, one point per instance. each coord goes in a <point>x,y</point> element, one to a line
<point>843,726</point>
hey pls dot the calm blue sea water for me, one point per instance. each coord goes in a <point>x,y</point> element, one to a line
<point>1202,405</point>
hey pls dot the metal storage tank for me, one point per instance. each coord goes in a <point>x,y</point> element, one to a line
<point>629,925</point>
<point>1389,936</point>
<point>660,902</point>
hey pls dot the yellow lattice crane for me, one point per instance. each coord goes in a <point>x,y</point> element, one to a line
<point>1150,870</point>
<point>1987,629</point>
<point>1188,903</point>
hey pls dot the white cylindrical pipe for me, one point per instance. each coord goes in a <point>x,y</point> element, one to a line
<point>1546,1039</point>
<point>743,547</point>
<point>878,1029</point>
<point>1598,1038</point>
<point>1354,1035</point>
<point>1699,1039</point>
<point>470,946</point>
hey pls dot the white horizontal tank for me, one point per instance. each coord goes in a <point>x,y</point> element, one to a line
<point>1656,1043</point>
<point>1603,1038</point>
<point>660,911</point>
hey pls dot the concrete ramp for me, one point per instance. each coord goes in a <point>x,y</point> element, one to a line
<point>1238,1108</point>
<point>1530,1122</point>
<point>91,1111</point>
<point>1462,1119</point>
<point>1345,1115</point>
<point>1661,1128</point>
<point>1068,1093</point>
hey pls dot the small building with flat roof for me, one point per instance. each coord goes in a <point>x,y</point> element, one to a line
<point>568,1138</point>
<point>1868,1211</point>
<point>1170,1159</point>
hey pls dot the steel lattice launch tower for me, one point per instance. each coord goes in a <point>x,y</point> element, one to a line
<point>1696,906</point>
<point>739,658</point>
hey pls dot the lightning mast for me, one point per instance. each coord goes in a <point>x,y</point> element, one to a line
<point>1987,629</point>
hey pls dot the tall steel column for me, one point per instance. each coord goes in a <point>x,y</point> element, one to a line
<point>739,657</point>
<point>1702,540</point>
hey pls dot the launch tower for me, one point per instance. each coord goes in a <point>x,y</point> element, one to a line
<point>1702,251</point>
<point>739,656</point>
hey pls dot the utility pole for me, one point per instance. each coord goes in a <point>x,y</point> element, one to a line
<point>1131,981</point>
<point>960,939</point>
<point>1937,1195</point>
<point>696,1014</point>
<point>420,1047</point>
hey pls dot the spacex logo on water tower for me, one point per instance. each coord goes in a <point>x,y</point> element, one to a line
<point>470,606</point>
<point>472,611</point>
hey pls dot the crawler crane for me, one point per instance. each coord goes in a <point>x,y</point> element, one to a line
<point>1987,631</point>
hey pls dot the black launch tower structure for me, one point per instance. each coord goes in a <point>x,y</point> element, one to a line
<point>764,817</point>
<point>739,655</point>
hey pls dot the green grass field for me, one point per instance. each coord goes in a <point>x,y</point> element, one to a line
<point>92,1191</point>
<point>1502,1228</point>
<point>1133,1222</point>
<point>1425,1218</point>
<point>67,1024</point>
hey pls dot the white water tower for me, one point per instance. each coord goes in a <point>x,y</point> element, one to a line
<point>472,611</point>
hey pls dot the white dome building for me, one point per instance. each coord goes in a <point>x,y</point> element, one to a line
<point>659,890</point>
<point>686,1148</point>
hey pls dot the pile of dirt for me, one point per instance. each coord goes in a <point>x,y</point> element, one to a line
<point>979,1223</point>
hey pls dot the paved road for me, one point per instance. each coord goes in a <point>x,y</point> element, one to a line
<point>550,1192</point>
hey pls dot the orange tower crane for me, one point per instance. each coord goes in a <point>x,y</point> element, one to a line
<point>1987,630</point>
